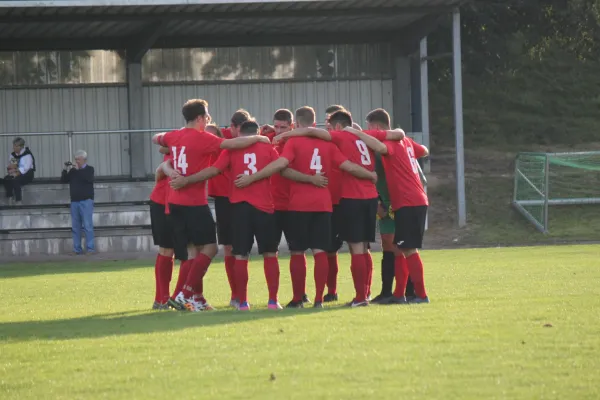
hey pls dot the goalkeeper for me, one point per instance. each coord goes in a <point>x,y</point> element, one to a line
<point>385,216</point>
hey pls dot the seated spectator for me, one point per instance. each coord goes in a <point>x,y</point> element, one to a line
<point>20,170</point>
<point>80,177</point>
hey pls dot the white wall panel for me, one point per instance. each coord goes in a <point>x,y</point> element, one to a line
<point>163,108</point>
<point>67,109</point>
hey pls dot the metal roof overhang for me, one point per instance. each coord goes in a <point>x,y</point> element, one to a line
<point>137,25</point>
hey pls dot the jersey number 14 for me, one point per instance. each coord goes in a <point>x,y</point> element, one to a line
<point>179,159</point>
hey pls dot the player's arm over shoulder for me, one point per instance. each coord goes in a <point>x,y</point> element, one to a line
<point>309,132</point>
<point>242,142</point>
<point>163,139</point>
<point>420,150</point>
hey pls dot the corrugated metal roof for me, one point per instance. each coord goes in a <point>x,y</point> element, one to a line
<point>41,22</point>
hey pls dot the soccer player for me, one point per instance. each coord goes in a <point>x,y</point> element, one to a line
<point>386,232</point>
<point>252,210</point>
<point>191,149</point>
<point>358,204</point>
<point>409,202</point>
<point>309,209</point>
<point>218,189</point>
<point>162,236</point>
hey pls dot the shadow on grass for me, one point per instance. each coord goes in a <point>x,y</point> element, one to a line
<point>136,322</point>
<point>69,267</point>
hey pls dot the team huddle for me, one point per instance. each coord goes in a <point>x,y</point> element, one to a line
<point>317,187</point>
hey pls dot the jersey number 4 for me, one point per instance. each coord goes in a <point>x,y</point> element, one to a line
<point>250,161</point>
<point>179,159</point>
<point>315,162</point>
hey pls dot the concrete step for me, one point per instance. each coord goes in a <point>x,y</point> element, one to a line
<point>104,192</point>
<point>61,217</point>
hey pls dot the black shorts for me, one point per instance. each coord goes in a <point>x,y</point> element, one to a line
<point>410,226</point>
<point>224,222</point>
<point>335,243</point>
<point>162,232</point>
<point>358,220</point>
<point>192,225</point>
<point>281,224</point>
<point>309,230</point>
<point>250,223</point>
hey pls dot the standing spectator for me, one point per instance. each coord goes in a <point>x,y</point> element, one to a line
<point>20,171</point>
<point>80,177</point>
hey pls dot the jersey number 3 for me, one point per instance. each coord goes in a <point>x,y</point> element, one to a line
<point>250,161</point>
<point>180,160</point>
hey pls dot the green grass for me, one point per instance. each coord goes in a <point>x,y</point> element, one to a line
<point>83,331</point>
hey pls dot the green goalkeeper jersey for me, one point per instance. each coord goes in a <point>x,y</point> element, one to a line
<point>382,187</point>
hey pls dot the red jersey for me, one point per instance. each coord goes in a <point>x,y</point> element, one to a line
<point>161,189</point>
<point>280,186</point>
<point>191,152</point>
<point>220,185</point>
<point>249,161</point>
<point>311,156</point>
<point>357,151</point>
<point>402,173</point>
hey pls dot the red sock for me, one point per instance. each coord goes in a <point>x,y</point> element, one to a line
<point>298,273</point>
<point>369,276</point>
<point>230,268</point>
<point>359,267</point>
<point>194,283</point>
<point>184,270</point>
<point>165,272</point>
<point>415,268</point>
<point>157,293</point>
<point>321,272</point>
<point>401,275</point>
<point>332,273</point>
<point>272,276</point>
<point>241,279</point>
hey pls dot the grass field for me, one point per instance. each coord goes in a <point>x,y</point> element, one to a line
<point>519,323</point>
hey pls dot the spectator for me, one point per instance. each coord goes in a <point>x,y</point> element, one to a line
<point>80,177</point>
<point>20,171</point>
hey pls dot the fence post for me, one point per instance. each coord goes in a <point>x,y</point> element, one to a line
<point>516,179</point>
<point>546,191</point>
<point>70,140</point>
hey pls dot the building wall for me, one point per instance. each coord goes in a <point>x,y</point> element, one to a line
<point>163,107</point>
<point>64,109</point>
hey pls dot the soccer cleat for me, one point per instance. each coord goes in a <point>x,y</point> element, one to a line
<point>274,305</point>
<point>395,300</point>
<point>177,303</point>
<point>419,300</point>
<point>369,297</point>
<point>329,297</point>
<point>410,298</point>
<point>205,305</point>
<point>318,304</point>
<point>235,303</point>
<point>355,303</point>
<point>381,298</point>
<point>159,306</point>
<point>295,304</point>
<point>305,299</point>
<point>244,306</point>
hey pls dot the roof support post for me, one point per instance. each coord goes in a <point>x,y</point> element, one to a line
<point>420,97</point>
<point>458,119</point>
<point>135,98</point>
<point>401,90</point>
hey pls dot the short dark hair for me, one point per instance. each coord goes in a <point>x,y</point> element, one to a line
<point>215,128</point>
<point>193,109</point>
<point>19,142</point>
<point>305,116</point>
<point>249,127</point>
<point>239,117</point>
<point>379,116</point>
<point>333,108</point>
<point>283,114</point>
<point>343,118</point>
